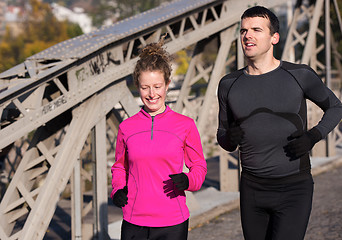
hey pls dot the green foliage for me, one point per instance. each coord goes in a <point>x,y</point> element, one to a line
<point>40,31</point>
<point>7,52</point>
<point>73,30</point>
<point>182,60</point>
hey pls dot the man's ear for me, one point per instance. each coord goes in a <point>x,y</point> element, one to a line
<point>275,38</point>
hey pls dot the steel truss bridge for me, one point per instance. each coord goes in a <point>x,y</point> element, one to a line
<point>60,108</point>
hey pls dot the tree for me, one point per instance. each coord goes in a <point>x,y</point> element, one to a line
<point>9,51</point>
<point>40,31</point>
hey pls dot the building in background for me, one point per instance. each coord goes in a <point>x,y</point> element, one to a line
<point>77,15</point>
<point>11,16</point>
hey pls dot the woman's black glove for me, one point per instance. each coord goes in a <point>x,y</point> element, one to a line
<point>303,142</point>
<point>181,181</point>
<point>120,197</point>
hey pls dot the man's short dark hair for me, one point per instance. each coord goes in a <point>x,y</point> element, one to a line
<point>259,11</point>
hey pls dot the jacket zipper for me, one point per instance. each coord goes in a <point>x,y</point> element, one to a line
<point>152,128</point>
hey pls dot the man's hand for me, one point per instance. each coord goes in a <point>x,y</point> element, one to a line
<point>181,181</point>
<point>234,135</point>
<point>120,197</point>
<point>303,142</point>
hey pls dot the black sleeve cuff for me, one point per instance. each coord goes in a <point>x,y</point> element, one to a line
<point>315,135</point>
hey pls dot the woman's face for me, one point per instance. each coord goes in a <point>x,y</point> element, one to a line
<point>152,89</point>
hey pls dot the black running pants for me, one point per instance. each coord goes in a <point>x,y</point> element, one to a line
<point>277,211</point>
<point>130,231</point>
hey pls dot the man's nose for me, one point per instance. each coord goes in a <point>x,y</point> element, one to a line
<point>248,34</point>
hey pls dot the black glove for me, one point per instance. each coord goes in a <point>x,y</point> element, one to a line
<point>120,197</point>
<point>303,142</point>
<point>234,136</point>
<point>181,181</point>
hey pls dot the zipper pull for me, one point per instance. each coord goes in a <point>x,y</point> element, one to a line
<point>152,127</point>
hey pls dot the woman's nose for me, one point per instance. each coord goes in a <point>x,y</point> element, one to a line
<point>152,92</point>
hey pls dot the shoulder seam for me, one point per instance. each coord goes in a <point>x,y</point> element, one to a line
<point>289,72</point>
<point>235,75</point>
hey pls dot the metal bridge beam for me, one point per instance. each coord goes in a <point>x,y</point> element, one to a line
<point>226,39</point>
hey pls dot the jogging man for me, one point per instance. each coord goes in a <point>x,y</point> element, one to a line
<point>263,113</point>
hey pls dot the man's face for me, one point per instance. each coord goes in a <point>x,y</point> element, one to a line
<point>256,39</point>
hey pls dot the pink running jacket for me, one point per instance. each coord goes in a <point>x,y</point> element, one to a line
<point>148,149</point>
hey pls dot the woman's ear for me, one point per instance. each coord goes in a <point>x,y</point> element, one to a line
<point>167,85</point>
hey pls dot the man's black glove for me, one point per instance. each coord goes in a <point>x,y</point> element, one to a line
<point>303,142</point>
<point>181,181</point>
<point>234,136</point>
<point>120,197</point>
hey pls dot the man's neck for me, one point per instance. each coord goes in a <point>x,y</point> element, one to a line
<point>261,67</point>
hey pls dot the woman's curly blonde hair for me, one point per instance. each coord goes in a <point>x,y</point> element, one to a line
<point>153,57</point>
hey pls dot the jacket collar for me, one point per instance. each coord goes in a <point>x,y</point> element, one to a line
<point>143,113</point>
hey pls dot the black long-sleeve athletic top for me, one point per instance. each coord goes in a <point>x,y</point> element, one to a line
<point>269,108</point>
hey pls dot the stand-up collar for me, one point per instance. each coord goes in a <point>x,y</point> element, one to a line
<point>143,113</point>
